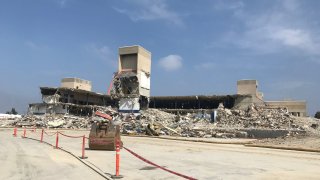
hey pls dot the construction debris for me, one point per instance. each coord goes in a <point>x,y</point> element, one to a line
<point>125,83</point>
<point>256,117</point>
<point>9,116</point>
<point>55,120</point>
<point>229,123</point>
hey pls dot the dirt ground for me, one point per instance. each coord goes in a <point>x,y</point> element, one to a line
<point>309,141</point>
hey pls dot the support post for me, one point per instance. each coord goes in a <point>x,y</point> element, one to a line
<point>41,139</point>
<point>83,147</point>
<point>15,132</point>
<point>57,140</point>
<point>24,133</point>
<point>117,175</point>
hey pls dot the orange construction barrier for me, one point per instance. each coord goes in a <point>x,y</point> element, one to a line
<point>15,132</point>
<point>41,139</point>
<point>83,147</point>
<point>117,175</point>
<point>24,133</point>
<point>57,141</point>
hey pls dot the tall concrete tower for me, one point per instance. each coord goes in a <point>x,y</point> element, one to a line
<point>132,81</point>
<point>249,87</point>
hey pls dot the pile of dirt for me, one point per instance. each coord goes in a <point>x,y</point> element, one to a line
<point>301,141</point>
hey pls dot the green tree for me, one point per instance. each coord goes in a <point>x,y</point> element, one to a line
<point>317,115</point>
<point>13,111</point>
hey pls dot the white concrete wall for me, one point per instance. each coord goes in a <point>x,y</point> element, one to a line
<point>128,105</point>
<point>38,109</point>
<point>9,116</point>
<point>50,98</point>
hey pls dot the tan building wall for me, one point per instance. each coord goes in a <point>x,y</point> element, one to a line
<point>296,108</point>
<point>138,60</point>
<point>144,62</point>
<point>135,58</point>
<point>250,87</point>
<point>247,87</point>
<point>76,83</point>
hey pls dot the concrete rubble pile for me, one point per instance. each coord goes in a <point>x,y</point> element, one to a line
<point>57,120</point>
<point>7,119</point>
<point>155,122</point>
<point>229,122</point>
<point>151,122</point>
<point>52,121</point>
<point>8,122</point>
<point>256,117</point>
<point>124,83</point>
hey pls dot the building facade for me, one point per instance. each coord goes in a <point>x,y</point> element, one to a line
<point>295,108</point>
<point>131,84</point>
<point>70,100</point>
<point>250,87</point>
<point>76,83</point>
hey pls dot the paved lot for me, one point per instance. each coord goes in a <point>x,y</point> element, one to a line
<point>26,159</point>
<point>199,160</point>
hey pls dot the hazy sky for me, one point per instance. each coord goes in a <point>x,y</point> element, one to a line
<point>198,47</point>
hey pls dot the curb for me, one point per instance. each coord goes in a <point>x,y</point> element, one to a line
<point>283,148</point>
<point>85,163</point>
<point>191,140</point>
<point>202,141</point>
<point>247,144</point>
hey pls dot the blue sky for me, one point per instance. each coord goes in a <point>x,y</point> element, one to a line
<point>198,47</point>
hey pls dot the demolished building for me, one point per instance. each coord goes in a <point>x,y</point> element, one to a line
<point>130,92</point>
<point>68,100</point>
<point>64,100</point>
<point>131,84</point>
<point>249,87</point>
<point>73,97</point>
<point>202,105</point>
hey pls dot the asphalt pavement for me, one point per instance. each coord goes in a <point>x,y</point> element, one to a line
<point>25,159</point>
<point>195,159</point>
